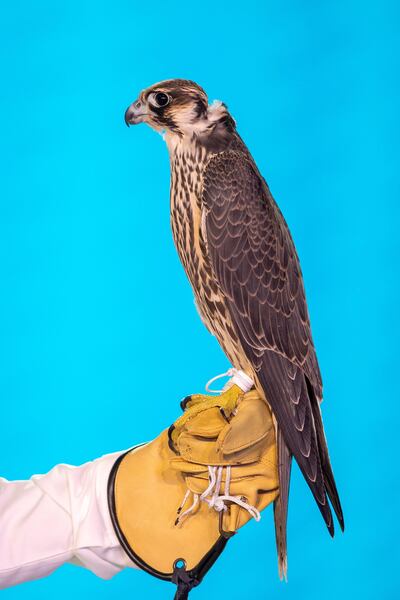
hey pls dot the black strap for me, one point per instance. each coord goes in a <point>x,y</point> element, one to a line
<point>184,580</point>
<point>182,592</point>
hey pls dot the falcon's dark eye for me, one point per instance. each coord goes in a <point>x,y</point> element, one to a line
<point>161,99</point>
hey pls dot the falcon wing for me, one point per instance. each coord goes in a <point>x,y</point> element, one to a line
<point>256,266</point>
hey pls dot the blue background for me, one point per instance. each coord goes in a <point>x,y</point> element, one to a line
<point>99,337</point>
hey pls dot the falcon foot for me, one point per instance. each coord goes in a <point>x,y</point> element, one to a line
<point>197,403</point>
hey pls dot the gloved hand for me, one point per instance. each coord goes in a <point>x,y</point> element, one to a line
<point>173,506</point>
<point>230,465</point>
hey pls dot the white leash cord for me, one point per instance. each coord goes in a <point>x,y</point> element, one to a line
<point>216,501</point>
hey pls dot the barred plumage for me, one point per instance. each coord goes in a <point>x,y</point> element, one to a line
<point>239,256</point>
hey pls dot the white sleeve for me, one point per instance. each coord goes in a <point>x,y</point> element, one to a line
<point>55,518</point>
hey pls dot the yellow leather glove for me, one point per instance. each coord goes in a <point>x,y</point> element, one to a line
<point>174,506</point>
<point>233,461</point>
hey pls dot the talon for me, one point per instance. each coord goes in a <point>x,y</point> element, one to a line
<point>196,403</point>
<point>185,401</point>
<point>172,439</point>
<point>194,399</point>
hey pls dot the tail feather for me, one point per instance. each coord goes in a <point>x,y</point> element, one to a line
<point>281,504</point>
<point>285,389</point>
<point>294,403</point>
<point>329,481</point>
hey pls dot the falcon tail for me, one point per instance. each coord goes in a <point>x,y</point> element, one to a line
<point>329,481</point>
<point>304,435</point>
<point>281,504</point>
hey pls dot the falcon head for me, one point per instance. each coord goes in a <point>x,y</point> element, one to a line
<point>178,107</point>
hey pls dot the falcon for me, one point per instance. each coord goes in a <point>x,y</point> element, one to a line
<point>239,256</point>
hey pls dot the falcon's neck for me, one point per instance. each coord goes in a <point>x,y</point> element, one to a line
<point>185,149</point>
<point>211,135</point>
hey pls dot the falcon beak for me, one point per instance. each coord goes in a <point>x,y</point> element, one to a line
<point>135,113</point>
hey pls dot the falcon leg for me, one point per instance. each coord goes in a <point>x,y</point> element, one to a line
<point>195,404</point>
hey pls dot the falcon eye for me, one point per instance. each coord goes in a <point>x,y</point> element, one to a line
<point>161,99</point>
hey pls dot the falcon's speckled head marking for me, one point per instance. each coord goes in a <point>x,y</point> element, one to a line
<point>178,107</point>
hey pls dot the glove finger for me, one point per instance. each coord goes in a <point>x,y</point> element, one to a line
<point>199,449</point>
<point>251,424</point>
<point>186,467</point>
<point>207,424</point>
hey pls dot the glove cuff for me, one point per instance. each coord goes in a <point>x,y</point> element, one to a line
<point>142,500</point>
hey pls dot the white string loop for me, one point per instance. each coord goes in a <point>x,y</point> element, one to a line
<point>212,497</point>
<point>229,373</point>
<point>189,511</point>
